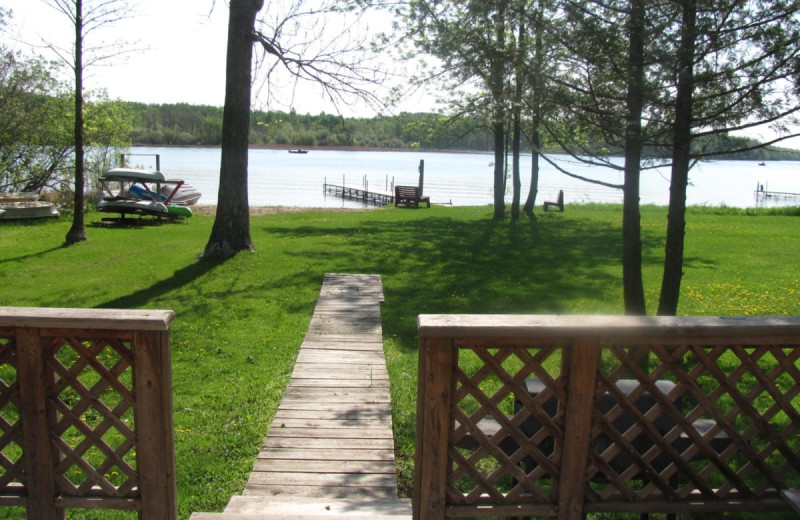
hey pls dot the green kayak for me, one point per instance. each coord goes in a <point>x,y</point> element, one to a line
<point>179,211</point>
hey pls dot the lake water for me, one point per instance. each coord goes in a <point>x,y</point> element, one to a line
<point>278,178</point>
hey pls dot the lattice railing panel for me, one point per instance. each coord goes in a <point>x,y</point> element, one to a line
<point>86,411</point>
<point>496,454</point>
<point>11,462</point>
<point>94,426</point>
<point>724,428</point>
<point>564,415</point>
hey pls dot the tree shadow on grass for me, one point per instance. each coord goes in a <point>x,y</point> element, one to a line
<point>31,255</point>
<point>180,278</point>
<point>443,265</point>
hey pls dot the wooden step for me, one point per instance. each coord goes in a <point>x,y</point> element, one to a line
<point>269,508</point>
<point>396,508</point>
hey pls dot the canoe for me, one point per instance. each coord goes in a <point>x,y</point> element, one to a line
<point>20,196</point>
<point>132,174</point>
<point>133,207</point>
<point>179,210</point>
<point>186,194</point>
<point>28,209</point>
<point>140,192</point>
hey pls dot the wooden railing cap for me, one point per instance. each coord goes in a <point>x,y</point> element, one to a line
<point>114,319</point>
<point>607,327</point>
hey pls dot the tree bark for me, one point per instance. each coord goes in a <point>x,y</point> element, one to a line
<point>515,173</point>
<point>77,232</point>
<point>517,128</point>
<point>682,138</point>
<point>633,288</point>
<point>499,171</point>
<point>231,231</point>
<point>536,117</point>
<point>497,87</point>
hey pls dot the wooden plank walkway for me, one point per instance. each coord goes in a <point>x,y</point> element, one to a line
<point>330,448</point>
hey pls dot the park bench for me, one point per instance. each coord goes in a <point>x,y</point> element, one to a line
<point>559,203</point>
<point>409,196</point>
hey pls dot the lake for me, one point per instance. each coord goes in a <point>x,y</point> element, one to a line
<point>278,178</point>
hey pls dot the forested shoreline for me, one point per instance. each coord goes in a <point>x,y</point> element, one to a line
<point>183,124</point>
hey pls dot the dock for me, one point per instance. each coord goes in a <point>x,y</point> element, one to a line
<point>375,198</point>
<point>763,197</point>
<point>330,450</point>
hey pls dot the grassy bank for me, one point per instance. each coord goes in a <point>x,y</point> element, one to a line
<point>239,323</point>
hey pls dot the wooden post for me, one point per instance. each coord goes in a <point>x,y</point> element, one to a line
<point>583,361</point>
<point>155,445</point>
<point>38,451</point>
<point>437,357</point>
<point>421,175</point>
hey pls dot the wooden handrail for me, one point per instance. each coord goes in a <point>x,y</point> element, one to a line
<point>696,430</point>
<point>88,411</point>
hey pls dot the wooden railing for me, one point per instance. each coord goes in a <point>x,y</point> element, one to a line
<point>86,411</point>
<point>561,416</point>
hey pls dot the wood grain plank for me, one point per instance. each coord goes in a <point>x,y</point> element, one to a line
<point>285,453</point>
<point>295,478</point>
<point>341,407</point>
<point>331,433</point>
<point>364,414</point>
<point>324,395</point>
<point>366,467</point>
<point>333,443</point>
<point>318,491</point>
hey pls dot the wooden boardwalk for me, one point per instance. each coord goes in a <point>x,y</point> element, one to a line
<point>330,450</point>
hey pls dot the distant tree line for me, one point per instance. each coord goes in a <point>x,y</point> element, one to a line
<point>191,125</point>
<point>201,125</point>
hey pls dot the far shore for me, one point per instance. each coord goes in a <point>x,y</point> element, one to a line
<point>318,148</point>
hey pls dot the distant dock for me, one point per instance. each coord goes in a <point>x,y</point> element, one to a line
<point>375,198</point>
<point>765,197</point>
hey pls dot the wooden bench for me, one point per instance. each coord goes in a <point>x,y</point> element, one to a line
<point>557,204</point>
<point>409,196</point>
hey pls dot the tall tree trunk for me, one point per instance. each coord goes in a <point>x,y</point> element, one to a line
<point>682,139</point>
<point>499,170</point>
<point>536,116</point>
<point>231,231</point>
<point>533,191</point>
<point>497,79</point>
<point>77,232</point>
<point>633,288</point>
<point>517,128</point>
<point>516,181</point>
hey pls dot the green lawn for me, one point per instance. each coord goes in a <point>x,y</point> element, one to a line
<point>239,323</point>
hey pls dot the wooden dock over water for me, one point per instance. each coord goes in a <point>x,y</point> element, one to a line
<point>765,198</point>
<point>376,198</point>
<point>330,450</point>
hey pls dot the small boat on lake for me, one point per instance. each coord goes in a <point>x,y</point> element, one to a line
<point>299,150</point>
